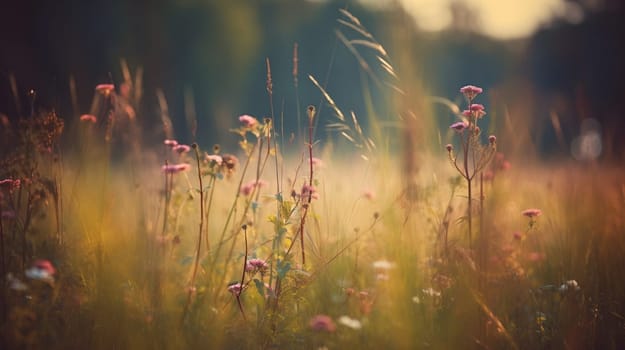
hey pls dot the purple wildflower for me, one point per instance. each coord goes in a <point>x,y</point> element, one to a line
<point>459,126</point>
<point>470,91</point>
<point>248,121</point>
<point>175,168</point>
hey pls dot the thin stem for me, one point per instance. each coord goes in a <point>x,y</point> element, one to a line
<point>199,239</point>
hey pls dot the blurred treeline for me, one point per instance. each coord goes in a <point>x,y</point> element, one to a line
<point>212,54</point>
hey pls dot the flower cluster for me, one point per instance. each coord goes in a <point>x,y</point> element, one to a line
<point>256,265</point>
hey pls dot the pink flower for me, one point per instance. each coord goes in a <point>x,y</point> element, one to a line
<point>470,91</point>
<point>10,184</point>
<point>517,235</point>
<point>535,256</point>
<point>459,126</point>
<point>170,143</point>
<point>230,161</point>
<point>105,89</point>
<point>181,149</point>
<point>492,139</point>
<point>41,270</point>
<point>175,168</point>
<point>235,288</point>
<point>449,147</point>
<point>255,264</point>
<point>248,121</point>
<point>247,189</point>
<point>532,213</point>
<point>311,191</point>
<point>317,162</point>
<point>213,158</point>
<point>322,323</point>
<point>89,118</point>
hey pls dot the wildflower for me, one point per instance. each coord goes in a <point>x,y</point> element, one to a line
<point>89,118</point>
<point>570,285</point>
<point>15,283</point>
<point>105,89</point>
<point>170,143</point>
<point>247,189</point>
<point>235,288</point>
<point>181,149</point>
<point>41,270</point>
<point>210,158</point>
<point>449,147</point>
<point>459,126</point>
<point>248,121</point>
<point>492,139</point>
<point>175,168</point>
<point>10,184</point>
<point>470,91</point>
<point>322,323</point>
<point>230,162</point>
<point>350,322</point>
<point>256,264</point>
<point>431,292</point>
<point>532,213</point>
<point>309,191</point>
<point>517,235</point>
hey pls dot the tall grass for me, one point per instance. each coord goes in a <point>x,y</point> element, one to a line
<point>262,247</point>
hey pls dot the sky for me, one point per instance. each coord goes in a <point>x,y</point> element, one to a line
<point>500,19</point>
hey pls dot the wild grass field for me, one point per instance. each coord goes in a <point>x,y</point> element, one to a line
<point>296,240</point>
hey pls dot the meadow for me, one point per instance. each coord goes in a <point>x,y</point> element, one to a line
<point>295,240</point>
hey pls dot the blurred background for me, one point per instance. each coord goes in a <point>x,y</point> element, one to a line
<point>552,69</point>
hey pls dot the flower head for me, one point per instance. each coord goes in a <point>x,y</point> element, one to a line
<point>256,265</point>
<point>230,162</point>
<point>89,118</point>
<point>170,143</point>
<point>175,168</point>
<point>492,139</point>
<point>213,158</point>
<point>532,213</point>
<point>350,322</point>
<point>248,121</point>
<point>309,191</point>
<point>235,288</point>
<point>247,188</point>
<point>470,91</point>
<point>41,270</point>
<point>322,323</point>
<point>459,126</point>
<point>105,89</point>
<point>449,147</point>
<point>181,149</point>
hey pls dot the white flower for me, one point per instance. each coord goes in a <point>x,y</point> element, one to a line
<point>431,292</point>
<point>350,322</point>
<point>569,285</point>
